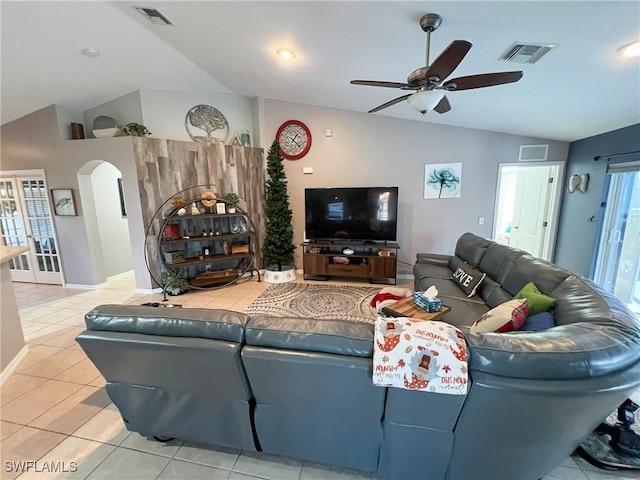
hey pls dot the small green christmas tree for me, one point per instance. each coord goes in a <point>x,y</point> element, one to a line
<point>278,244</point>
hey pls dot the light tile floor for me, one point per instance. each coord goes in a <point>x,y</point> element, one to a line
<point>54,407</point>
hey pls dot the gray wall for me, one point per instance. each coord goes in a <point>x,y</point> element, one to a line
<point>374,150</point>
<point>34,142</point>
<point>577,237</point>
<point>365,150</point>
<point>124,109</point>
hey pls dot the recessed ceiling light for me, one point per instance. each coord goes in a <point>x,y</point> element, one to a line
<point>286,53</point>
<point>631,50</point>
<point>90,52</point>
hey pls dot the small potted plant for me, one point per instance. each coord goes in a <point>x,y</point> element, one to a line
<point>232,200</point>
<point>135,129</point>
<point>174,283</point>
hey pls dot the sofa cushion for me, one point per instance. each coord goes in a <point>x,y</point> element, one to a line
<point>539,322</point>
<point>493,293</point>
<point>504,318</point>
<point>546,276</point>
<point>499,260</point>
<point>169,322</point>
<point>471,248</point>
<point>341,337</point>
<point>422,272</point>
<point>446,287</point>
<point>537,302</point>
<point>463,312</point>
<point>468,278</point>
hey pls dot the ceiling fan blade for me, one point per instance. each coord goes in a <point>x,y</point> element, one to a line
<point>442,106</point>
<point>388,104</point>
<point>449,59</point>
<point>373,83</point>
<point>482,80</point>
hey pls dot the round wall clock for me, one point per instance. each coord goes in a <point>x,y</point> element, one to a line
<point>294,138</point>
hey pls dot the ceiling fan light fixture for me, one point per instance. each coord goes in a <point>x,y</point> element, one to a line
<point>286,53</point>
<point>425,100</point>
<point>631,50</point>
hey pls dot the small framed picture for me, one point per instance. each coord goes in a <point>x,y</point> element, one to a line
<point>221,208</point>
<point>123,206</point>
<point>63,201</point>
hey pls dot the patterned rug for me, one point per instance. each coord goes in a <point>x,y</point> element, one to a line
<point>315,301</point>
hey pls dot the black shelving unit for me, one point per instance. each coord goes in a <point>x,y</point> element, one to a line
<point>211,250</point>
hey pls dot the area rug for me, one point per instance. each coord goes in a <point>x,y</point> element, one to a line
<point>315,301</point>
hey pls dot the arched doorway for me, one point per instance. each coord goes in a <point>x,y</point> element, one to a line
<point>105,219</point>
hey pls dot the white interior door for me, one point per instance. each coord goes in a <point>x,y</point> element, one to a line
<point>526,212</point>
<point>25,220</point>
<point>529,211</point>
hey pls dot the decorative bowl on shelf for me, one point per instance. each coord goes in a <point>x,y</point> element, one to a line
<point>104,127</point>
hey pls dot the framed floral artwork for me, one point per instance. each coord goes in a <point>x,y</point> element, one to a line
<point>442,180</point>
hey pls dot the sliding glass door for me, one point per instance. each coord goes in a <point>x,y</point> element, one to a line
<point>618,259</point>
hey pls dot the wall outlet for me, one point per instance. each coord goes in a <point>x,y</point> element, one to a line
<point>307,170</point>
<point>480,220</point>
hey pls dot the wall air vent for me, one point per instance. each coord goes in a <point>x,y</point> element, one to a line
<point>533,153</point>
<point>154,16</point>
<point>525,53</point>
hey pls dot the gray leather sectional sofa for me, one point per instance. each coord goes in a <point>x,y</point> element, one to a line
<point>303,388</point>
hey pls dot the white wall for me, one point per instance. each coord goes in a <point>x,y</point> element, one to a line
<point>113,230</point>
<point>164,112</point>
<point>366,150</point>
<point>374,150</point>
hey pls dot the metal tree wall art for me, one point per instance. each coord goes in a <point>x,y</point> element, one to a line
<point>443,180</point>
<point>208,119</point>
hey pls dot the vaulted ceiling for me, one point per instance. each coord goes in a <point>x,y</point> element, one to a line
<point>580,88</point>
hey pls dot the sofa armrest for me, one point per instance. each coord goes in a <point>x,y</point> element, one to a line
<point>578,350</point>
<point>434,259</point>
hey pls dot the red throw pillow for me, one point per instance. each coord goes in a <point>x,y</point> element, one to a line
<point>503,318</point>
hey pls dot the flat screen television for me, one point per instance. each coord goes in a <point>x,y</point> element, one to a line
<point>359,213</point>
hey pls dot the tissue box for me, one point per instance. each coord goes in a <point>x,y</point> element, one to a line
<point>422,302</point>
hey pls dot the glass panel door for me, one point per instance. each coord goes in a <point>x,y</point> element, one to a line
<point>40,225</point>
<point>12,231</point>
<point>25,220</point>
<point>618,259</point>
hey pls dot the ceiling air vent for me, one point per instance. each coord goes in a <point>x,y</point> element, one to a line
<point>533,153</point>
<point>154,16</point>
<point>521,53</point>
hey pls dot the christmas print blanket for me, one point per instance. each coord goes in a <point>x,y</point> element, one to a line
<point>420,355</point>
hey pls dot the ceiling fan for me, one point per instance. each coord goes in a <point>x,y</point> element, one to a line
<point>428,81</point>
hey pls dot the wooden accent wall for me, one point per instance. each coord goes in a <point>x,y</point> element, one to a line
<point>166,167</point>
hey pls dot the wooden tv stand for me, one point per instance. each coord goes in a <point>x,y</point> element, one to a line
<point>374,261</point>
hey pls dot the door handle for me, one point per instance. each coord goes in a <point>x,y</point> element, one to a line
<point>617,235</point>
